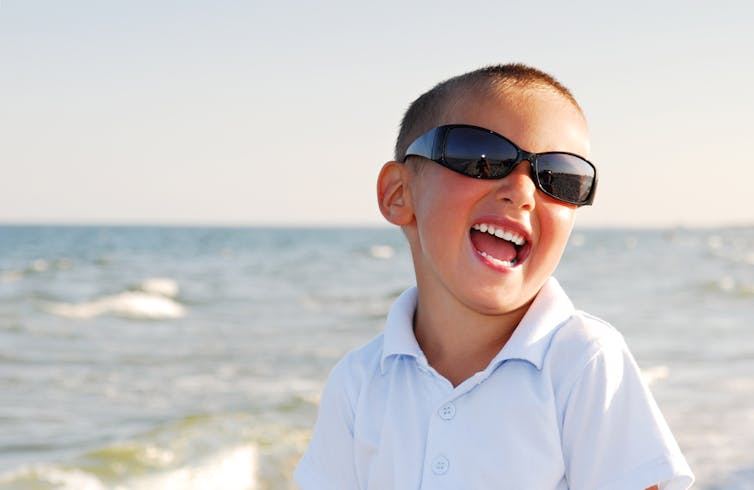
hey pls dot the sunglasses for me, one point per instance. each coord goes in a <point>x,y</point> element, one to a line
<point>483,154</point>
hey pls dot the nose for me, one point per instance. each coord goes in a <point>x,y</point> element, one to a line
<point>518,188</point>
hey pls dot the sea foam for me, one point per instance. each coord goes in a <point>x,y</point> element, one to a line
<point>160,285</point>
<point>231,469</point>
<point>56,476</point>
<point>154,300</point>
<point>381,251</point>
<point>654,374</point>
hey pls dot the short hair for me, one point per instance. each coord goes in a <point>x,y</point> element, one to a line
<point>424,113</point>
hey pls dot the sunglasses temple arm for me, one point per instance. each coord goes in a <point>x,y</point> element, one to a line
<point>424,146</point>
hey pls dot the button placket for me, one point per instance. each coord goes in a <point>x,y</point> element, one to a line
<point>439,449</point>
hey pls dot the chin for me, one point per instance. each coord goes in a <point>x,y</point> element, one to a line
<point>502,302</point>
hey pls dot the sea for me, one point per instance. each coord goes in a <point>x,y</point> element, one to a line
<point>193,358</point>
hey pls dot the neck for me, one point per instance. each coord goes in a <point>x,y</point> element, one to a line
<point>457,340</point>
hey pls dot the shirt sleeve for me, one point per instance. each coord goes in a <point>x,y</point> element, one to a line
<point>614,436</point>
<point>328,462</point>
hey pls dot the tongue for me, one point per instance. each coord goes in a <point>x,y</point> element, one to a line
<point>491,245</point>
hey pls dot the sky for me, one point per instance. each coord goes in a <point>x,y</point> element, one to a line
<point>282,113</point>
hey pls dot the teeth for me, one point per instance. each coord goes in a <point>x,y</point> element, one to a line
<point>505,263</point>
<point>500,233</point>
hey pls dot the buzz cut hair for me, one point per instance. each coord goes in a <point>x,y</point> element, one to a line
<point>431,107</point>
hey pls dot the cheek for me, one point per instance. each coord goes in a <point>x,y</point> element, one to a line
<point>441,196</point>
<point>442,202</point>
<point>556,224</point>
<point>563,218</point>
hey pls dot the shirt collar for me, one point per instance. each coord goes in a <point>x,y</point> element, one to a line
<point>529,342</point>
<point>531,339</point>
<point>399,329</point>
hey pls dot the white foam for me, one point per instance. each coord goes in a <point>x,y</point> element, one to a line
<point>381,251</point>
<point>727,284</point>
<point>577,240</point>
<point>130,304</point>
<point>64,264</point>
<point>10,276</point>
<point>60,478</point>
<point>714,242</point>
<point>158,456</point>
<point>160,285</point>
<point>233,469</point>
<point>655,374</point>
<point>39,265</point>
<point>36,266</point>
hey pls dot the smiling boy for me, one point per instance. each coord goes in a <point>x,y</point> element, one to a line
<point>486,375</point>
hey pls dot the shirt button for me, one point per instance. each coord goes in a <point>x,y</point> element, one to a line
<point>447,411</point>
<point>440,465</point>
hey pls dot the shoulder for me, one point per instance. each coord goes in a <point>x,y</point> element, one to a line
<point>356,367</point>
<point>579,341</point>
<point>329,459</point>
<point>344,385</point>
<point>613,433</point>
<point>365,358</point>
<point>586,333</point>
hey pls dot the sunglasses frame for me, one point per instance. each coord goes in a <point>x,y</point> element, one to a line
<point>431,145</point>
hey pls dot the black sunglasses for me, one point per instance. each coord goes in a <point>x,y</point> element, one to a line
<point>483,154</point>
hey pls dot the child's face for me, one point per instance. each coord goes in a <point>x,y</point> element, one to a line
<point>464,264</point>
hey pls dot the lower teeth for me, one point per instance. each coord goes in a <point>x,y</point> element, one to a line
<point>505,263</point>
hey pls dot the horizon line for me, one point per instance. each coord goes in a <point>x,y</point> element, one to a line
<point>336,225</point>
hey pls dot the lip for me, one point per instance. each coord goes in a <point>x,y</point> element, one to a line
<point>507,225</point>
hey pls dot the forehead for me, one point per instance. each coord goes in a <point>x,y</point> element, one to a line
<point>537,119</point>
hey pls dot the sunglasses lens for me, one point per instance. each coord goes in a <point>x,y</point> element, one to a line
<point>565,177</point>
<point>478,153</point>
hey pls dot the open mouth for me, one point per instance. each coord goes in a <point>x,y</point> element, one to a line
<point>501,246</point>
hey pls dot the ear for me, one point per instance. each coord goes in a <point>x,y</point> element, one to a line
<point>393,194</point>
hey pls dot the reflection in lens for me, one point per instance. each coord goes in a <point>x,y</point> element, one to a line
<point>479,154</point>
<point>565,177</point>
<point>480,169</point>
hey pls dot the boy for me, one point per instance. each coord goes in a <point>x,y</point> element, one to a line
<point>486,376</point>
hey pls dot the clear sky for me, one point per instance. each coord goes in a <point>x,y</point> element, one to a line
<point>282,112</point>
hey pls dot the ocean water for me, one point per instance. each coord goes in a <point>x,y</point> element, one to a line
<point>189,358</point>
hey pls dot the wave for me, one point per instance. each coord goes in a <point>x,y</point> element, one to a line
<point>10,276</point>
<point>36,266</point>
<point>154,299</point>
<point>42,265</point>
<point>232,469</point>
<point>43,476</point>
<point>381,251</point>
<point>732,286</point>
<point>654,374</point>
<point>160,285</point>
<point>577,240</point>
<point>229,451</point>
<point>736,250</point>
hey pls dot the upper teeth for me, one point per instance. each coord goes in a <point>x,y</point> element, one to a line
<point>500,233</point>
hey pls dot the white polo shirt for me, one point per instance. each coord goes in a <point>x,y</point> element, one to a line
<point>562,406</point>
